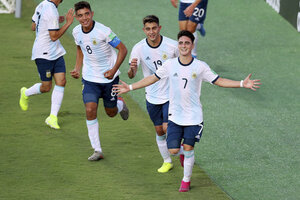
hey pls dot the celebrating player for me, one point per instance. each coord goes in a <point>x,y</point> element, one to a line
<point>95,52</point>
<point>151,53</point>
<point>48,54</point>
<point>185,75</point>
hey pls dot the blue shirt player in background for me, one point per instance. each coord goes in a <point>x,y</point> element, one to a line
<point>96,44</point>
<point>48,54</point>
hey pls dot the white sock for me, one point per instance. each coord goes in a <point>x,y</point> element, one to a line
<point>120,105</point>
<point>189,160</point>
<point>93,131</point>
<point>163,149</point>
<point>35,89</point>
<point>194,50</point>
<point>56,99</point>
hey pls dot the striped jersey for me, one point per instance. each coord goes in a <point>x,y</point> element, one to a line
<point>151,59</point>
<point>46,19</point>
<point>185,82</point>
<point>99,55</point>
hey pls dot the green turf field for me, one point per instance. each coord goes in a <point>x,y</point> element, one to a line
<point>250,146</point>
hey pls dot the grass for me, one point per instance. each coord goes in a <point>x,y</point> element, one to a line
<point>38,162</point>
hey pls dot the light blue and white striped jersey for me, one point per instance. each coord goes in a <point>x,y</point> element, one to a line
<point>46,19</point>
<point>185,82</point>
<point>98,55</point>
<point>152,58</point>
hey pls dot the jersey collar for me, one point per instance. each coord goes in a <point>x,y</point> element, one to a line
<point>89,30</point>
<point>185,64</point>
<point>161,39</point>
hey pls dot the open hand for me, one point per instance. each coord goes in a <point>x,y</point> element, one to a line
<point>251,84</point>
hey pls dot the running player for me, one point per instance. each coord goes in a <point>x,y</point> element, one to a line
<point>186,75</point>
<point>48,54</point>
<point>151,52</point>
<point>191,16</point>
<point>95,52</point>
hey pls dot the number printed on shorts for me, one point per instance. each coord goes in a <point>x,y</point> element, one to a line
<point>198,12</point>
<point>88,49</point>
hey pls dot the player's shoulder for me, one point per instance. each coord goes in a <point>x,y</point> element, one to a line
<point>102,28</point>
<point>77,29</point>
<point>171,61</point>
<point>140,43</point>
<point>169,41</point>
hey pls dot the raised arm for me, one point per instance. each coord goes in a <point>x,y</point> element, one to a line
<point>124,88</point>
<point>246,83</point>
<point>133,68</point>
<point>55,35</point>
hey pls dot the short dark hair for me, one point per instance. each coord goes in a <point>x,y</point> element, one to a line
<point>187,34</point>
<point>81,5</point>
<point>150,19</point>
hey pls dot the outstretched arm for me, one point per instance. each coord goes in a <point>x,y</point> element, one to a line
<point>124,88</point>
<point>246,83</point>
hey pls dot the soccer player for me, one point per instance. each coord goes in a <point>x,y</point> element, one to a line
<point>191,16</point>
<point>185,75</point>
<point>151,53</point>
<point>95,52</point>
<point>48,54</point>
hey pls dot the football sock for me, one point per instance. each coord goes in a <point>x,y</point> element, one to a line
<point>56,99</point>
<point>93,131</point>
<point>189,160</point>
<point>35,89</point>
<point>194,50</point>
<point>163,149</point>
<point>120,105</point>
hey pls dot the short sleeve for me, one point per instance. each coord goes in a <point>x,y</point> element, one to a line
<point>162,72</point>
<point>208,74</point>
<point>135,54</point>
<point>52,18</point>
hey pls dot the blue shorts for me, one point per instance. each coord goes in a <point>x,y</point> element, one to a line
<point>158,113</point>
<point>198,15</point>
<point>47,68</point>
<point>189,134</point>
<point>92,92</point>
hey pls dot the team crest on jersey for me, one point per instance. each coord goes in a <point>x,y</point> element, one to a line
<point>194,75</point>
<point>148,58</point>
<point>165,56</point>
<point>175,75</point>
<point>48,74</point>
<point>94,42</point>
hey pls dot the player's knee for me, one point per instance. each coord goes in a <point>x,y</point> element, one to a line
<point>174,151</point>
<point>111,113</point>
<point>62,83</point>
<point>45,88</point>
